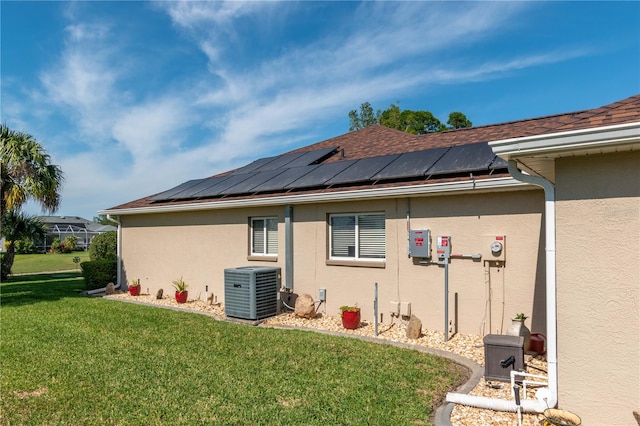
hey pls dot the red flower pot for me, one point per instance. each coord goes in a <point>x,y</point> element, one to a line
<point>181,296</point>
<point>134,291</point>
<point>351,319</point>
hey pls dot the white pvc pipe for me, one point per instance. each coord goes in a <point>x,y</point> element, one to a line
<point>498,404</point>
<point>528,405</point>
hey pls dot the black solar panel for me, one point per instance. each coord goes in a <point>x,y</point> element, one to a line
<point>279,162</point>
<point>168,195</point>
<point>411,164</point>
<point>311,157</point>
<point>254,165</point>
<point>248,184</point>
<point>224,185</point>
<point>320,174</point>
<point>498,163</point>
<point>278,183</point>
<point>193,191</point>
<point>363,170</point>
<point>464,158</point>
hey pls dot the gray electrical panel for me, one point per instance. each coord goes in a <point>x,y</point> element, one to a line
<point>420,243</point>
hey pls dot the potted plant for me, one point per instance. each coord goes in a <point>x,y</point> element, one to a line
<point>181,290</point>
<point>134,288</point>
<point>517,328</point>
<point>350,317</point>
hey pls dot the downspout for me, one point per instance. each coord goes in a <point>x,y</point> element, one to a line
<point>115,219</point>
<point>551,398</point>
<point>288,247</point>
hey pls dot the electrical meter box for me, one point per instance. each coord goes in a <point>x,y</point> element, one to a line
<point>420,243</point>
<point>444,246</point>
<point>495,248</point>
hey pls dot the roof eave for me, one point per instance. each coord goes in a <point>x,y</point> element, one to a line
<point>606,139</point>
<point>484,185</point>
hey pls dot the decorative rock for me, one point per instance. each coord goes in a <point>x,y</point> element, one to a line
<point>414,327</point>
<point>305,306</point>
<point>159,294</point>
<point>111,289</point>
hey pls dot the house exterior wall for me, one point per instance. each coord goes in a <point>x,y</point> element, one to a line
<point>598,286</point>
<point>159,248</point>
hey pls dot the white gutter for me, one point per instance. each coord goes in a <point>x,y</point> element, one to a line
<point>119,258</point>
<point>619,137</point>
<point>530,405</point>
<point>506,183</point>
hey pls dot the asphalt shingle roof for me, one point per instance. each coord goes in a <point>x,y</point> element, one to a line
<point>374,141</point>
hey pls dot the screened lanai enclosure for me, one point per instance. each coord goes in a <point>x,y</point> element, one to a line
<point>63,226</point>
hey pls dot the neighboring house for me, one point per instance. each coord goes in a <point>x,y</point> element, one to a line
<point>337,215</point>
<point>64,226</point>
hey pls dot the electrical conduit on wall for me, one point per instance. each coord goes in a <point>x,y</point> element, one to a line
<point>551,397</point>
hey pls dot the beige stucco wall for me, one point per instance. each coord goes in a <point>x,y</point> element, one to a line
<point>158,248</point>
<point>598,272</point>
<point>598,258</point>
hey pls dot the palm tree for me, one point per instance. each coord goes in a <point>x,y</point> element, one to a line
<point>15,226</point>
<point>27,173</point>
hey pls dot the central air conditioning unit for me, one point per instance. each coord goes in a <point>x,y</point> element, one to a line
<point>251,292</point>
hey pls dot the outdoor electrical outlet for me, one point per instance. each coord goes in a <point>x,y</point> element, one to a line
<point>405,309</point>
<point>322,294</point>
<point>394,309</point>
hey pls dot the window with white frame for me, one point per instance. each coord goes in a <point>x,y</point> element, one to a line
<point>264,236</point>
<point>357,236</point>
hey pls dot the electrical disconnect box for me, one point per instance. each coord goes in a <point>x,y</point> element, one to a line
<point>443,246</point>
<point>420,243</point>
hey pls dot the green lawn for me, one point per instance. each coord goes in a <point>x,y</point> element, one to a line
<point>32,263</point>
<point>74,360</point>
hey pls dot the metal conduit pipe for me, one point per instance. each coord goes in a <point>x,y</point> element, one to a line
<point>118,256</point>
<point>288,247</point>
<point>551,400</point>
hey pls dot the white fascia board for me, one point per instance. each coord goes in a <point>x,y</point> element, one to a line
<point>576,142</point>
<point>485,185</point>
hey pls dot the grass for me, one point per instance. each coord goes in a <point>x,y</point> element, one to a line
<point>70,359</point>
<point>32,263</point>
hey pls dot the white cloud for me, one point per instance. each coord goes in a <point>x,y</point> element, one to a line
<point>137,143</point>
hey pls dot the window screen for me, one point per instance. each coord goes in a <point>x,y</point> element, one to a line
<point>264,236</point>
<point>357,236</point>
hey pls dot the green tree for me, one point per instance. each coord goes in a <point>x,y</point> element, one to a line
<point>16,226</point>
<point>103,220</point>
<point>365,118</point>
<point>414,122</point>
<point>458,120</point>
<point>104,246</point>
<point>27,173</point>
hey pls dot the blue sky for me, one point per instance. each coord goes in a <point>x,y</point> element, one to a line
<point>132,98</point>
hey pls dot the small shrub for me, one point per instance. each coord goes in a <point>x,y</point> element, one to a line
<point>99,273</point>
<point>104,246</point>
<point>25,246</point>
<point>70,242</point>
<point>58,246</point>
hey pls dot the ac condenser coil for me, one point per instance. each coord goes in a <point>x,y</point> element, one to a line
<point>251,292</point>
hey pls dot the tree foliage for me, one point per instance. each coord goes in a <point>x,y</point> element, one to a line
<point>365,118</point>
<point>104,246</point>
<point>15,227</point>
<point>27,173</point>
<point>414,122</point>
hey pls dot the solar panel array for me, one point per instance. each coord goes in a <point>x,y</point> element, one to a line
<point>305,170</point>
